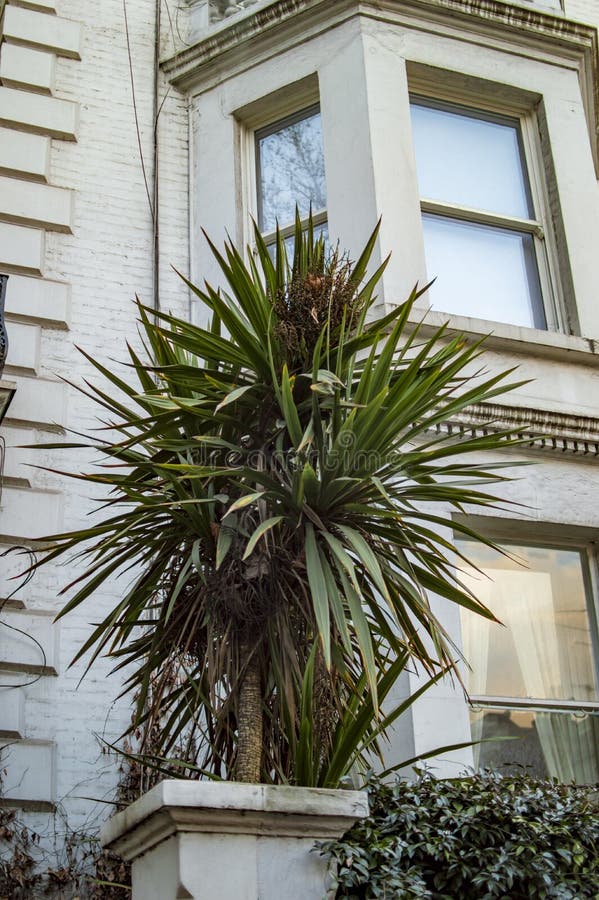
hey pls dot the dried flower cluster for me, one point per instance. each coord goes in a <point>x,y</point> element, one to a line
<point>308,303</point>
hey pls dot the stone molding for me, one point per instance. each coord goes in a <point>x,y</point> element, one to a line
<point>546,430</point>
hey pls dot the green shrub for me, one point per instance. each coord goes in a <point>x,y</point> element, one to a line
<point>473,837</point>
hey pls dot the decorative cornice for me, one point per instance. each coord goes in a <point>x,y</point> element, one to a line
<point>541,430</point>
<point>239,42</point>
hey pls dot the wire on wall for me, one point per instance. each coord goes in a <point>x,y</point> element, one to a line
<point>24,581</point>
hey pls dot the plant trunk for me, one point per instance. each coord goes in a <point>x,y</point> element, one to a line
<point>250,726</point>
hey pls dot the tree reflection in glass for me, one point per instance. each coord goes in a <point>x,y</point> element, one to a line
<point>290,163</point>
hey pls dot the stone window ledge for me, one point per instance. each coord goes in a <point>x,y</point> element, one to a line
<point>529,341</point>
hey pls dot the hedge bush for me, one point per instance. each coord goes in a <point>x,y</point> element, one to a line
<point>482,836</point>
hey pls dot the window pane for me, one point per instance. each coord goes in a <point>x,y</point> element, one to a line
<point>483,271</point>
<point>560,745</point>
<point>290,171</point>
<point>545,649</point>
<point>470,161</point>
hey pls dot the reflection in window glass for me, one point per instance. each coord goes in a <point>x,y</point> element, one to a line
<point>481,164</point>
<point>484,272</point>
<point>560,745</point>
<point>290,164</point>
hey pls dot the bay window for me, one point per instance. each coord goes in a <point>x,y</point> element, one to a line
<point>482,215</point>
<point>534,677</point>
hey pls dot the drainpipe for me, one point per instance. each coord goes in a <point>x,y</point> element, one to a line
<point>3,334</point>
<point>7,388</point>
<point>155,186</point>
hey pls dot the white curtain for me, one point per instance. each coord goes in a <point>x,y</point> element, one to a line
<point>475,641</point>
<point>523,601</point>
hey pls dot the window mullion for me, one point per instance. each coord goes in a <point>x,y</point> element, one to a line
<point>483,217</point>
<point>528,703</point>
<point>318,218</point>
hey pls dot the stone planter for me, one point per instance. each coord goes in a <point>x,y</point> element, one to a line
<point>228,841</point>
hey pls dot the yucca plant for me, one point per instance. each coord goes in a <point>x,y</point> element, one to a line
<point>274,485</point>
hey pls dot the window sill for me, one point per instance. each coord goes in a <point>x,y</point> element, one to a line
<point>559,706</point>
<point>516,339</point>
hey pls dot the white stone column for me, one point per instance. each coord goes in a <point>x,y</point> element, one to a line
<point>576,187</point>
<point>370,167</point>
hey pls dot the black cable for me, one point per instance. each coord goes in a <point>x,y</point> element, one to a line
<point>27,576</point>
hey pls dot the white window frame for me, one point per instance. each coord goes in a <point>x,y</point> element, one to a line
<point>540,227</point>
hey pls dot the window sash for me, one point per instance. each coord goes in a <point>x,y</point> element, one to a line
<point>586,582</point>
<point>589,587</point>
<point>558,736</point>
<point>552,743</point>
<point>488,272</point>
<point>544,242</point>
<point>259,135</point>
<point>513,169</point>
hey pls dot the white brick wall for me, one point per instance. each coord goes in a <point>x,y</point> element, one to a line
<point>583,10</point>
<point>92,264</point>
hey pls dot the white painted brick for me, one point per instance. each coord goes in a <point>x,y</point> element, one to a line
<point>39,400</point>
<point>29,69</point>
<point>34,29</point>
<point>23,154</point>
<point>47,302</point>
<point>29,639</point>
<point>21,248</point>
<point>12,702</point>
<point>25,461</point>
<point>48,6</point>
<point>42,115</point>
<point>31,771</point>
<point>29,203</point>
<point>27,514</point>
<point>23,347</point>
